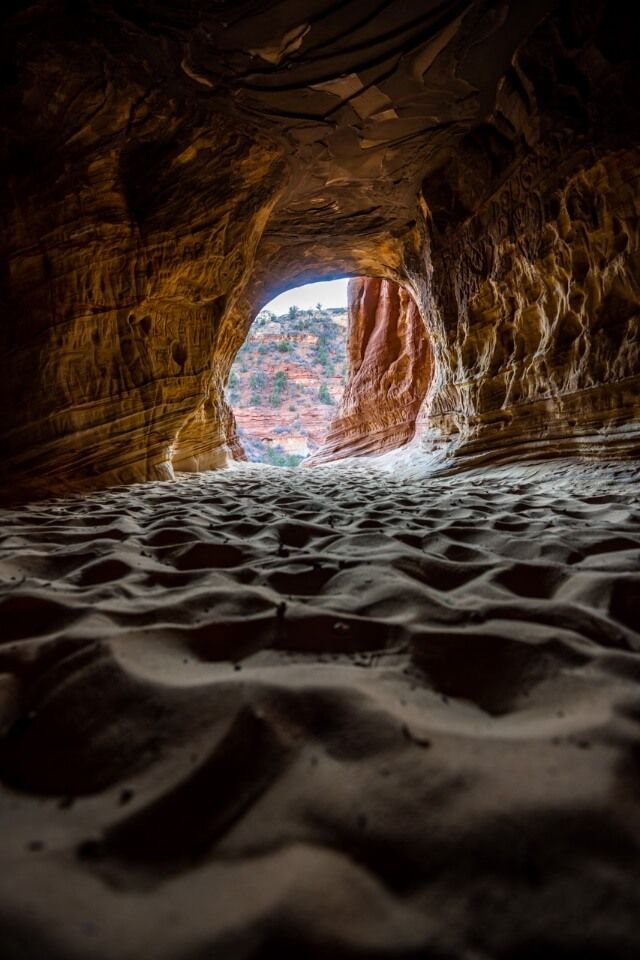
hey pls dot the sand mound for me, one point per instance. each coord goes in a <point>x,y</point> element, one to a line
<point>339,713</point>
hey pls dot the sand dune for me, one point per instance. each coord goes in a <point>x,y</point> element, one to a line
<point>332,713</point>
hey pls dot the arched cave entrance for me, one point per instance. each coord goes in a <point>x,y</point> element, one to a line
<point>287,380</point>
<point>314,383</point>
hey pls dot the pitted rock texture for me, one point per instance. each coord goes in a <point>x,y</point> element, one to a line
<point>168,168</point>
<point>538,350</point>
<point>389,369</point>
<point>530,291</point>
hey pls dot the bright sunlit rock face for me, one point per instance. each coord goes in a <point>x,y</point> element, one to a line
<point>390,367</point>
<point>324,384</point>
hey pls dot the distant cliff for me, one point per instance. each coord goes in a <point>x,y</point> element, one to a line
<point>286,383</point>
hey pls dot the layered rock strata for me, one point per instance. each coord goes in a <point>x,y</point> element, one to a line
<point>389,369</point>
<point>167,169</point>
<point>286,381</point>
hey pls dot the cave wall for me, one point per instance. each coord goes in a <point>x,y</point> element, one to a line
<point>388,373</point>
<point>121,262</point>
<point>168,168</point>
<point>530,279</point>
<point>536,325</point>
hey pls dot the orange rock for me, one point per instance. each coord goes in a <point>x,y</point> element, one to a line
<point>187,169</point>
<point>535,320</point>
<point>389,372</point>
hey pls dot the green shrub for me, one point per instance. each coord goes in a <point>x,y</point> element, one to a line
<point>277,457</point>
<point>257,381</point>
<point>322,352</point>
<point>323,394</point>
<point>285,346</point>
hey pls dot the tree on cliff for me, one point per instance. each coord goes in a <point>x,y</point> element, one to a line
<point>322,350</point>
<point>323,394</point>
<point>279,387</point>
<point>293,312</point>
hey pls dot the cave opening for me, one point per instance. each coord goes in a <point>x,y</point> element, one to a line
<point>330,370</point>
<point>288,377</point>
<point>248,711</point>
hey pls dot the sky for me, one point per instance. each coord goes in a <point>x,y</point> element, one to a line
<point>330,293</point>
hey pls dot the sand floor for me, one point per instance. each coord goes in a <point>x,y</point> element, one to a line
<point>331,713</point>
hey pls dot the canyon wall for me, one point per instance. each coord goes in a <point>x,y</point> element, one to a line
<point>389,369</point>
<point>286,381</point>
<point>168,169</point>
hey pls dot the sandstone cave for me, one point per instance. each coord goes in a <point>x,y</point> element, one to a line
<point>331,383</point>
<point>288,378</point>
<point>384,705</point>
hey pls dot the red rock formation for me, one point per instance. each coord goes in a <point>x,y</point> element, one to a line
<point>389,372</point>
<point>308,352</point>
<point>293,431</point>
<point>166,171</point>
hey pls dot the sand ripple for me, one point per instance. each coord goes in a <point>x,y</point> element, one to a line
<point>337,713</point>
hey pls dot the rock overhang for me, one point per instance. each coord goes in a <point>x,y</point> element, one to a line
<point>169,166</point>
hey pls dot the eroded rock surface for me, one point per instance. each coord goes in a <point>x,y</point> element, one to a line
<point>388,374</point>
<point>537,332</point>
<point>167,169</point>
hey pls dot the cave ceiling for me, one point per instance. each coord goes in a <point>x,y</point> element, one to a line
<point>362,100</point>
<point>167,168</point>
